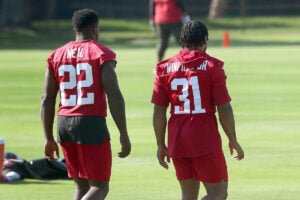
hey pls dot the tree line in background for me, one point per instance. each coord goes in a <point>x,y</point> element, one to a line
<point>19,13</point>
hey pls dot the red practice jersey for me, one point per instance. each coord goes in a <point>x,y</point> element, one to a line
<point>76,67</point>
<point>167,11</point>
<point>193,84</point>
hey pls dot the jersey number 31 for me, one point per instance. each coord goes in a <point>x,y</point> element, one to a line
<point>184,83</point>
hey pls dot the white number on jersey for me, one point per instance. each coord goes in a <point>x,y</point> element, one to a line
<point>76,99</point>
<point>185,84</point>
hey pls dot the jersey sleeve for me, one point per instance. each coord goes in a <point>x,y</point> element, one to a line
<point>50,63</point>
<point>220,91</point>
<point>159,95</point>
<point>107,55</point>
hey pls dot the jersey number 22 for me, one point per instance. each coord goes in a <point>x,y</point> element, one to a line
<point>77,98</point>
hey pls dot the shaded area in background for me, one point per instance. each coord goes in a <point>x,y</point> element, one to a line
<point>137,33</point>
<point>19,13</point>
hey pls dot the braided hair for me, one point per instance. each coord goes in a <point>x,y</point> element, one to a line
<point>193,34</point>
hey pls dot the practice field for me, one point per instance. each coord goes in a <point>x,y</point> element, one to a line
<point>264,85</point>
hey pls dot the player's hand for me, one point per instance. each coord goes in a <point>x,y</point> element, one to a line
<point>163,157</point>
<point>185,18</point>
<point>49,149</point>
<point>237,147</point>
<point>152,25</point>
<point>125,146</point>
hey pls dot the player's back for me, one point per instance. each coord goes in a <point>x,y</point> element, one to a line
<point>189,79</point>
<point>76,67</point>
<point>194,83</point>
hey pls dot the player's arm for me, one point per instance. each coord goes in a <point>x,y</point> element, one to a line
<point>151,9</point>
<point>47,113</point>
<point>116,104</point>
<point>151,14</point>
<point>226,118</point>
<point>159,125</point>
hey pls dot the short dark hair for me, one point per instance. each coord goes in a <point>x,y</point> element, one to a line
<point>84,18</point>
<point>193,34</point>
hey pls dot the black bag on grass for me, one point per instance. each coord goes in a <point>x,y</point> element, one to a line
<point>45,169</point>
<point>37,169</point>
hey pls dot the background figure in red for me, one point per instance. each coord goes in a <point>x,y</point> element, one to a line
<point>166,18</point>
<point>193,84</point>
<point>83,73</point>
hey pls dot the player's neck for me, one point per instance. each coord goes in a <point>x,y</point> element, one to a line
<point>82,37</point>
<point>197,48</point>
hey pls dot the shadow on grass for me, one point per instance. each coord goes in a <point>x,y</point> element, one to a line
<point>137,33</point>
<point>240,25</point>
<point>38,182</point>
<point>19,41</point>
<point>240,43</point>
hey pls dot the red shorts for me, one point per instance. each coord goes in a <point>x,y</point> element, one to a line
<point>209,168</point>
<point>92,162</point>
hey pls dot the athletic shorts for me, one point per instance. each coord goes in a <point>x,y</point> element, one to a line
<point>88,161</point>
<point>208,168</point>
<point>82,129</point>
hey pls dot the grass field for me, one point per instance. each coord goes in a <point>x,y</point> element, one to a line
<point>263,78</point>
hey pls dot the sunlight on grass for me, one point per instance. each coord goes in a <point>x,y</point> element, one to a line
<point>262,68</point>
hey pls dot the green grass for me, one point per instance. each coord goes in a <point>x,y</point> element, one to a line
<point>263,79</point>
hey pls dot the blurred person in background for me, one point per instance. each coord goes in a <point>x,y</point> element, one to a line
<point>166,19</point>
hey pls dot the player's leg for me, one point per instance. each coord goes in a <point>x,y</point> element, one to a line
<point>81,188</point>
<point>184,173</point>
<point>96,162</point>
<point>216,191</point>
<point>70,153</point>
<point>163,34</point>
<point>211,170</point>
<point>98,190</point>
<point>189,189</point>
